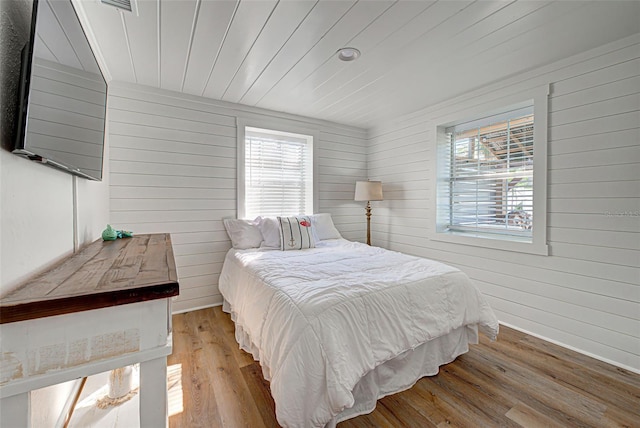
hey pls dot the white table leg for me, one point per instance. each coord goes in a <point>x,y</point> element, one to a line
<point>153,393</point>
<point>15,411</point>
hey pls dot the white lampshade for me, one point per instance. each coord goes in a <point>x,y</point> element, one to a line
<point>368,191</point>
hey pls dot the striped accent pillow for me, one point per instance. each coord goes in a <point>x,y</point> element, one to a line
<point>295,233</point>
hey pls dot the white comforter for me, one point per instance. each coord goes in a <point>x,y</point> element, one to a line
<point>319,319</point>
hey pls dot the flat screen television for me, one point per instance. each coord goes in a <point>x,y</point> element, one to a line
<point>63,94</point>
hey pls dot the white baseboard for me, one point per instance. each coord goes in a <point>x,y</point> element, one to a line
<point>197,308</point>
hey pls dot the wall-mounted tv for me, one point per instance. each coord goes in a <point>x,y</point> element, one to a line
<point>63,94</point>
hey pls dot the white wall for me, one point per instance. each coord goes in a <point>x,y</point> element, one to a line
<point>173,169</point>
<point>586,294</point>
<point>36,202</point>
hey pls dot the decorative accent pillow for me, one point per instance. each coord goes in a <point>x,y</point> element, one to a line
<point>295,233</point>
<point>270,230</point>
<point>243,233</point>
<point>323,227</point>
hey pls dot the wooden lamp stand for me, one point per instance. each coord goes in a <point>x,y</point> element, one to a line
<point>368,210</point>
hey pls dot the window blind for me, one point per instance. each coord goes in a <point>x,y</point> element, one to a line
<point>278,174</point>
<point>490,176</point>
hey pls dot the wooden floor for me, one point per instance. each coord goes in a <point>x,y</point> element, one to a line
<point>516,381</point>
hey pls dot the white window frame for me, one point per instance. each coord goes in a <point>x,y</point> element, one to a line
<point>284,127</point>
<point>440,177</point>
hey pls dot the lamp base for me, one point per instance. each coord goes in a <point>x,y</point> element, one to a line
<point>368,210</point>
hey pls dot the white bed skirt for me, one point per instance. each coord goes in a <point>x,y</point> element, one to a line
<point>395,375</point>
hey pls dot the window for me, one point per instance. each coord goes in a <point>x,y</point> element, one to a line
<point>490,174</point>
<point>490,169</point>
<point>277,173</point>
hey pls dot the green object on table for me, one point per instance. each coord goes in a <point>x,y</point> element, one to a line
<point>109,234</point>
<point>124,234</point>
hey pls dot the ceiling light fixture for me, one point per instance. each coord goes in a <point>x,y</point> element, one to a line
<point>348,54</point>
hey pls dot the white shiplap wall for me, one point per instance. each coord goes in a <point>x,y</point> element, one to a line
<point>586,294</point>
<point>67,102</point>
<point>173,169</point>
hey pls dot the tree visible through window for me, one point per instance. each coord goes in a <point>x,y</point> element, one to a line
<point>490,175</point>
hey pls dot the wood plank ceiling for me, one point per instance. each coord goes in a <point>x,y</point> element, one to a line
<point>281,54</point>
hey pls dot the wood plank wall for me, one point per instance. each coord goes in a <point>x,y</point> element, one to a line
<point>173,169</point>
<point>67,102</point>
<point>586,294</point>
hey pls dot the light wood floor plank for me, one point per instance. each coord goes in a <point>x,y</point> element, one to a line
<point>259,389</point>
<point>481,401</point>
<point>459,412</point>
<point>527,417</point>
<point>545,389</point>
<point>398,412</point>
<point>200,407</point>
<point>228,328</point>
<point>426,404</point>
<point>578,378</point>
<point>235,403</point>
<point>619,376</point>
<point>518,381</point>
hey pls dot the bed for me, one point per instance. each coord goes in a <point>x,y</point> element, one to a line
<point>340,325</point>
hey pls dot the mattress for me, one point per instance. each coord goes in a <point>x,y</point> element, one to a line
<point>320,320</point>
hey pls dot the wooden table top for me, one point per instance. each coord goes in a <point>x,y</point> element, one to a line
<point>103,274</point>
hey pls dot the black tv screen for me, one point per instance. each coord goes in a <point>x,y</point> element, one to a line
<point>63,94</point>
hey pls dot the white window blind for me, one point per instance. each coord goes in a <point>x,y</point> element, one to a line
<point>278,173</point>
<point>490,176</point>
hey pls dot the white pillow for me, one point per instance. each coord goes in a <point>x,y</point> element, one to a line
<point>270,231</point>
<point>323,227</point>
<point>295,233</point>
<point>243,233</point>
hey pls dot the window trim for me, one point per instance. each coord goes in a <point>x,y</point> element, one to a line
<point>439,192</point>
<point>279,125</point>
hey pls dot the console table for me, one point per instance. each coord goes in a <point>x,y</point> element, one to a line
<point>105,307</point>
